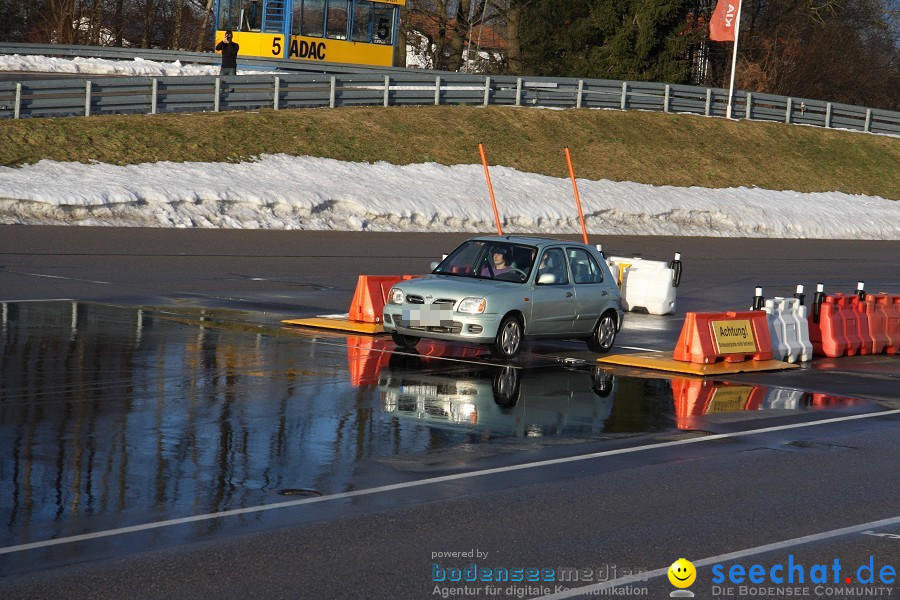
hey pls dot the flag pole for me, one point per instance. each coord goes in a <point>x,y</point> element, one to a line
<point>737,32</point>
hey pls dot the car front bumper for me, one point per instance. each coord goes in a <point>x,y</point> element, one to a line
<point>460,327</point>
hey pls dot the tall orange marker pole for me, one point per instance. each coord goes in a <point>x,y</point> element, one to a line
<point>577,197</point>
<point>487,176</point>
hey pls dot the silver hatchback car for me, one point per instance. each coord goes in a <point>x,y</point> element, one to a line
<point>498,290</point>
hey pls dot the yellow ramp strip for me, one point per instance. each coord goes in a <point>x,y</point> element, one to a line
<point>663,361</point>
<point>338,324</point>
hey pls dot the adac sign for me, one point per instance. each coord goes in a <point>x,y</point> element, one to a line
<point>319,49</point>
<point>304,49</point>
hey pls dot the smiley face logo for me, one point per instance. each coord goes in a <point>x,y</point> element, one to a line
<point>682,573</point>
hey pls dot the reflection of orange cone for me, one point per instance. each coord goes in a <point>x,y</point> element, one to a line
<point>365,357</point>
<point>691,397</point>
<point>447,350</point>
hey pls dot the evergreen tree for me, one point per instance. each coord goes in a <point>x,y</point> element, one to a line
<point>641,40</point>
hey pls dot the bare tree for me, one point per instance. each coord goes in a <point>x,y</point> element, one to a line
<point>459,32</point>
<point>445,26</point>
<point>843,50</point>
<point>61,16</point>
<point>201,41</point>
<point>118,25</point>
<point>175,41</point>
<point>148,23</point>
<point>507,15</point>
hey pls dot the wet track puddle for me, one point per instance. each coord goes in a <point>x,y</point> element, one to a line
<point>113,416</point>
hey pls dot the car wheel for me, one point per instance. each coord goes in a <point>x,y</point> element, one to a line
<point>404,341</point>
<point>604,334</point>
<point>506,387</point>
<point>405,362</point>
<point>509,338</point>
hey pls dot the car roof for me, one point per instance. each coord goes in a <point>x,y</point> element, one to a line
<point>531,240</point>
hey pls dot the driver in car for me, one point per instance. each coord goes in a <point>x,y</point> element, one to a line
<point>501,264</point>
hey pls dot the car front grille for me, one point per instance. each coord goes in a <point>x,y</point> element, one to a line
<point>455,326</point>
<point>417,299</point>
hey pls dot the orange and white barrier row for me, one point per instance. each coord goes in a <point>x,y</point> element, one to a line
<point>847,325</point>
<point>784,329</point>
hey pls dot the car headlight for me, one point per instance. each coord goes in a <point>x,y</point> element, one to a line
<point>395,296</point>
<point>473,306</point>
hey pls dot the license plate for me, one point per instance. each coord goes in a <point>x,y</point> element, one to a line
<point>426,316</point>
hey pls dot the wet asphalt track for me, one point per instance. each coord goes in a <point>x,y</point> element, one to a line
<point>129,417</point>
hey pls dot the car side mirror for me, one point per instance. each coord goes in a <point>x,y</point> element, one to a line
<point>434,264</point>
<point>546,279</point>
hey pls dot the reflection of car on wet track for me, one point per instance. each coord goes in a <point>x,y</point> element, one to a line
<point>501,401</point>
<point>498,290</point>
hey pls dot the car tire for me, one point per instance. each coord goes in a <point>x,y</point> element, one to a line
<point>509,338</point>
<point>404,341</point>
<point>405,362</point>
<point>604,335</point>
<point>505,387</point>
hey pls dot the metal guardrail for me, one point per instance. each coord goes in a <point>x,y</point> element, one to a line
<point>330,85</point>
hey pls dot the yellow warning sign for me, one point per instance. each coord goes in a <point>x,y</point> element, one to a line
<point>734,337</point>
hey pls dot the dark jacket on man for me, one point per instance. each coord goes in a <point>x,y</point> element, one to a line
<point>229,54</point>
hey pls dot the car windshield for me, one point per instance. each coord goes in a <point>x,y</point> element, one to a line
<point>482,259</point>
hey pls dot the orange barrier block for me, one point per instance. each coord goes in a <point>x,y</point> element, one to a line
<point>888,307</point>
<point>894,326</point>
<point>730,336</point>
<point>890,322</point>
<point>862,324</point>
<point>851,326</point>
<point>366,308</point>
<point>877,324</point>
<point>370,297</point>
<point>827,336</point>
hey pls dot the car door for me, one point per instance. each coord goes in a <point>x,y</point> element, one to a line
<point>552,302</point>
<point>592,297</point>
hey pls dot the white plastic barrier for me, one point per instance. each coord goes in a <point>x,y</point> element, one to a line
<point>781,398</point>
<point>789,329</point>
<point>645,284</point>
